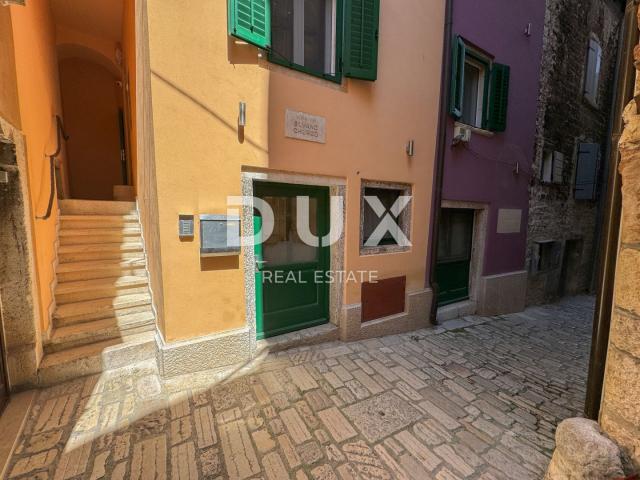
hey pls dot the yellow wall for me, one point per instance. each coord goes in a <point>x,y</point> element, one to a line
<point>129,52</point>
<point>195,95</point>
<point>9,108</point>
<point>91,98</point>
<point>39,99</point>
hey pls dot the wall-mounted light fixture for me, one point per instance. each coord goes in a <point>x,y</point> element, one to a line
<point>242,114</point>
<point>410,147</point>
<point>527,29</point>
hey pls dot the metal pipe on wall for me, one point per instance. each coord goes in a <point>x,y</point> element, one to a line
<point>440,155</point>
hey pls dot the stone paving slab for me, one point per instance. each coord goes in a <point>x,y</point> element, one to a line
<point>477,399</point>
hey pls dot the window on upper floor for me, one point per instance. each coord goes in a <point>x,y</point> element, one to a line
<point>479,88</point>
<point>325,38</point>
<point>552,167</point>
<point>592,71</point>
<point>473,103</point>
<point>303,35</point>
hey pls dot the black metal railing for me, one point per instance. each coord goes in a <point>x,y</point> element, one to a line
<point>60,135</point>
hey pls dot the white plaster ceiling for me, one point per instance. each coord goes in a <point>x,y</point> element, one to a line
<point>100,18</point>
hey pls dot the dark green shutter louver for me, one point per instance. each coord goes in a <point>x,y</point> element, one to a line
<point>499,97</point>
<point>361,20</point>
<point>458,54</point>
<point>250,20</point>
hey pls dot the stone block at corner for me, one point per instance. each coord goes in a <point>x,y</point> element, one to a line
<point>627,294</point>
<point>622,384</point>
<point>583,452</point>
<point>625,333</point>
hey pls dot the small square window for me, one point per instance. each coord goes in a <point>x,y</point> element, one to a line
<point>385,215</point>
<point>304,36</point>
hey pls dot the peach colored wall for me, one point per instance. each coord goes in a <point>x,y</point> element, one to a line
<point>9,108</point>
<point>39,99</point>
<point>90,98</point>
<point>146,184</point>
<point>195,93</point>
<point>129,52</point>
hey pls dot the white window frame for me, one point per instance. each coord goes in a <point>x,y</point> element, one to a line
<point>330,40</point>
<point>552,168</point>
<point>479,117</point>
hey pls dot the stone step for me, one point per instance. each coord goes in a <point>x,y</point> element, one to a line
<point>79,236</point>
<point>75,271</point>
<point>70,292</point>
<point>95,207</point>
<point>99,251</point>
<point>98,221</point>
<point>96,357</point>
<point>71,336</point>
<point>114,307</point>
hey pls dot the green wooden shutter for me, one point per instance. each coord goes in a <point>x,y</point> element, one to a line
<point>250,20</point>
<point>361,21</point>
<point>458,54</point>
<point>498,97</point>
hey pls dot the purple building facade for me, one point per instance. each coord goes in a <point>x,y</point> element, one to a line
<point>490,140</point>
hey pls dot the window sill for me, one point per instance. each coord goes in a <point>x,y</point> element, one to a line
<point>479,131</point>
<point>264,62</point>
<point>382,249</point>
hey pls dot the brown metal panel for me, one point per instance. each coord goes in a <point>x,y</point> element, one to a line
<point>383,298</point>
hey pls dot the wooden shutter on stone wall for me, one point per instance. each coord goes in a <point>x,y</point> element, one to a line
<point>587,171</point>
<point>558,167</point>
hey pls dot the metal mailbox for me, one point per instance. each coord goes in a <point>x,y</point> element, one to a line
<point>219,235</point>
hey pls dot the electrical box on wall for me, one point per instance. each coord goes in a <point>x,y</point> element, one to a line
<point>219,235</point>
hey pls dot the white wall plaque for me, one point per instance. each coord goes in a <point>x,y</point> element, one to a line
<point>303,126</point>
<point>509,220</point>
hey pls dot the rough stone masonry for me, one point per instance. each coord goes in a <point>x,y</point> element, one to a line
<point>620,413</point>
<point>565,119</point>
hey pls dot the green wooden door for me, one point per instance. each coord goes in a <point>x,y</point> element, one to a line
<point>454,255</point>
<point>291,293</point>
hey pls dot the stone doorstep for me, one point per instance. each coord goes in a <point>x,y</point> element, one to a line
<point>12,423</point>
<point>301,338</point>
<point>457,310</point>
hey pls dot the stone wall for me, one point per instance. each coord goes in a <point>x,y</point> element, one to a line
<point>620,411</point>
<point>18,289</point>
<point>565,119</point>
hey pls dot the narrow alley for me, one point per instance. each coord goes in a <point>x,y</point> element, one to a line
<point>474,398</point>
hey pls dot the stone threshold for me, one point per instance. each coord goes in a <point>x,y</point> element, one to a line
<point>302,338</point>
<point>457,310</point>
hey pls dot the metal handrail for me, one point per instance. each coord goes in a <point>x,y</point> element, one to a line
<point>60,135</point>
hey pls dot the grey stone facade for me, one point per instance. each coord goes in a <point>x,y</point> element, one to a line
<point>562,229</point>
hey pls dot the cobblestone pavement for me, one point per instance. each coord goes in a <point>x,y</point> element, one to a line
<point>477,398</point>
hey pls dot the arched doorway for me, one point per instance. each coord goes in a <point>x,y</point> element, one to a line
<point>93,106</point>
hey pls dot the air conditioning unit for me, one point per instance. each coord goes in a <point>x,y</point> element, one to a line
<point>461,134</point>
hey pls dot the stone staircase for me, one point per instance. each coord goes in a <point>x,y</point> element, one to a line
<point>103,317</point>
